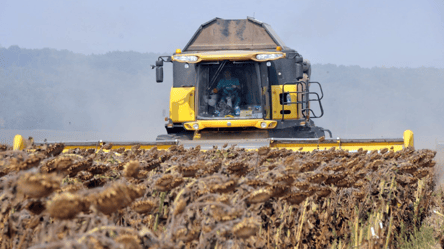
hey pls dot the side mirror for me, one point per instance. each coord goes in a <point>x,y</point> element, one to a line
<point>159,74</point>
<point>159,71</point>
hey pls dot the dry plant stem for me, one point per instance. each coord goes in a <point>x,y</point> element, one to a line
<point>97,229</point>
<point>299,234</point>
<point>56,244</point>
<point>162,199</point>
<point>389,231</point>
<point>356,228</point>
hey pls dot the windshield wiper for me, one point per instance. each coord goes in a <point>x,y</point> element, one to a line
<point>219,69</point>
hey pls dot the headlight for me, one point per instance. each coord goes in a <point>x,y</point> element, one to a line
<point>263,125</point>
<point>268,56</point>
<point>186,58</point>
<point>195,126</point>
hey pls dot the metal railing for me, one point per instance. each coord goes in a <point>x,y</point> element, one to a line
<point>305,102</point>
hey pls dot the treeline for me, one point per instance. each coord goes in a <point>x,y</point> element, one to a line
<point>62,90</point>
<point>50,89</point>
<point>375,102</point>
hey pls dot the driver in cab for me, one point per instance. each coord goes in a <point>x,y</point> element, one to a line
<point>229,89</point>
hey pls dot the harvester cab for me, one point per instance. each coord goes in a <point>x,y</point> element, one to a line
<point>236,78</point>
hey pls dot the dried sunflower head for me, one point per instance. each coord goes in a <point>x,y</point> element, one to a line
<point>179,206</point>
<point>144,207</point>
<point>168,182</point>
<point>54,149</point>
<point>187,235</point>
<point>302,185</point>
<point>36,185</point>
<point>317,178</point>
<point>66,206</point>
<point>359,194</point>
<point>259,196</point>
<point>190,171</point>
<point>278,190</point>
<point>420,173</point>
<point>31,161</point>
<point>85,175</point>
<point>262,151</point>
<point>79,166</point>
<point>129,241</point>
<point>62,163</point>
<point>113,198</point>
<point>131,169</point>
<point>224,187</point>
<point>72,188</point>
<point>334,178</point>
<point>407,168</point>
<point>285,179</point>
<point>165,180</point>
<point>296,198</point>
<point>246,228</point>
<point>136,191</point>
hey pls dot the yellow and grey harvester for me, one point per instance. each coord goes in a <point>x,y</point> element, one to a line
<point>273,89</point>
<point>236,82</point>
<point>268,83</point>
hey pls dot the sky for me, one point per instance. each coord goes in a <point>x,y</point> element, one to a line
<point>407,33</point>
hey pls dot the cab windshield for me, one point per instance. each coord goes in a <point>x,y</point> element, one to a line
<point>229,90</point>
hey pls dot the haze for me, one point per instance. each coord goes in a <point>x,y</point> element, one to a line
<point>365,33</point>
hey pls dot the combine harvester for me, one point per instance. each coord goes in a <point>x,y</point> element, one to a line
<point>236,82</point>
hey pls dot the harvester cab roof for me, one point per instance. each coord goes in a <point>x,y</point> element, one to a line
<point>241,34</point>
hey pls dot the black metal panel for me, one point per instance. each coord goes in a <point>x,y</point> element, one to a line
<point>183,76</point>
<point>298,132</point>
<point>286,70</point>
<point>264,74</point>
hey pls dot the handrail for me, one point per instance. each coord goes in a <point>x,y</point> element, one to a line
<point>305,98</point>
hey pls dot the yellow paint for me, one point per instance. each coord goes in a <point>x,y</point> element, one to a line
<point>197,135</point>
<point>231,55</point>
<point>295,147</point>
<point>408,138</point>
<point>270,124</point>
<point>345,146</point>
<point>182,104</point>
<point>19,142</point>
<point>127,147</point>
<point>277,107</point>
